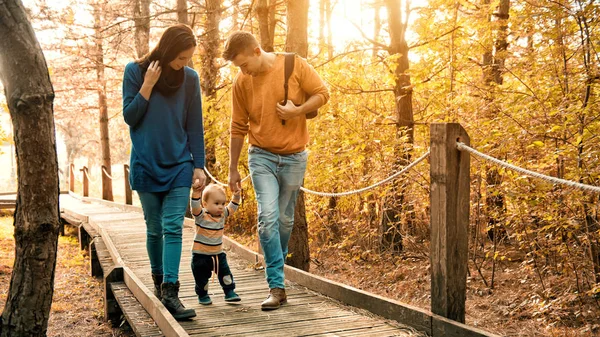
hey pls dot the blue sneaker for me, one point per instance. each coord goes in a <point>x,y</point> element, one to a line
<point>204,300</point>
<point>231,296</point>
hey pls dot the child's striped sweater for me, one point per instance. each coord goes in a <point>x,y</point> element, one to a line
<point>209,231</point>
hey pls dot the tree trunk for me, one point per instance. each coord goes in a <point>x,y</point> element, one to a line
<point>210,42</point>
<point>107,193</point>
<point>182,17</point>
<point>182,12</point>
<point>141,18</point>
<point>297,41</point>
<point>328,10</point>
<point>209,73</point>
<point>30,97</point>
<point>322,22</point>
<point>493,68</point>
<point>376,26</point>
<point>265,10</point>
<point>235,24</point>
<point>501,43</point>
<point>395,204</point>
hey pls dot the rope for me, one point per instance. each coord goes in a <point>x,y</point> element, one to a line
<point>411,165</point>
<point>217,181</point>
<point>463,147</point>
<point>109,176</point>
<point>89,178</point>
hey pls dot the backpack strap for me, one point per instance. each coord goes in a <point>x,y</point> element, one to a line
<point>289,69</point>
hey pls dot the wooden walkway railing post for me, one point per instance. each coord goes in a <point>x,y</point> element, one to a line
<point>128,198</point>
<point>106,184</point>
<point>71,178</point>
<point>450,180</point>
<point>86,182</point>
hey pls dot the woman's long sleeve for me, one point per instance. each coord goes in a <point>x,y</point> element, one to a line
<point>195,128</point>
<point>134,104</point>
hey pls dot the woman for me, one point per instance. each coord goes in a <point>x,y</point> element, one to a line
<point>162,106</point>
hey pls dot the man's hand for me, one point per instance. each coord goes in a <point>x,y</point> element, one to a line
<point>288,111</point>
<point>235,180</point>
<point>199,179</point>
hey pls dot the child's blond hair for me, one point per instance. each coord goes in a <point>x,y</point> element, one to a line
<point>211,189</point>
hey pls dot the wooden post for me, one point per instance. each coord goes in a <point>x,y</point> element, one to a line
<point>106,185</point>
<point>71,178</point>
<point>86,182</point>
<point>128,198</point>
<point>450,180</point>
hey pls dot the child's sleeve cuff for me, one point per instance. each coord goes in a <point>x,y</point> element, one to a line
<point>196,203</point>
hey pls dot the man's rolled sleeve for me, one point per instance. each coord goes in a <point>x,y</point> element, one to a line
<point>310,81</point>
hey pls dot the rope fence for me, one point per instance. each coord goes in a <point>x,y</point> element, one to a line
<point>393,176</point>
<point>463,147</point>
<point>89,177</point>
<point>112,177</point>
<point>340,194</point>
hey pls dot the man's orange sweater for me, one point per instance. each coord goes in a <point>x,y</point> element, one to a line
<point>255,100</point>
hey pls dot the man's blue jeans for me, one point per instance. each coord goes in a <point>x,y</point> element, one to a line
<point>164,213</point>
<point>277,180</point>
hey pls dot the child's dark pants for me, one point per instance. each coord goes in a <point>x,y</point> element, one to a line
<point>202,268</point>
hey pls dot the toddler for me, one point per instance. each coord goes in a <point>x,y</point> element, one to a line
<point>210,214</point>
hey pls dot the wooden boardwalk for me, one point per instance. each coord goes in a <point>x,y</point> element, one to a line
<point>122,231</point>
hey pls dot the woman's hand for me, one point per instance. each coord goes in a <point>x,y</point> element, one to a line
<point>152,74</point>
<point>199,179</point>
<point>150,79</point>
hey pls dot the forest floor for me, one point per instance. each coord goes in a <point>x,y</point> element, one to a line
<point>515,307</point>
<point>77,308</point>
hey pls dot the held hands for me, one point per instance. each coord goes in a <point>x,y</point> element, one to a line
<point>152,74</point>
<point>235,180</point>
<point>196,192</point>
<point>198,180</point>
<point>288,111</point>
<point>237,193</point>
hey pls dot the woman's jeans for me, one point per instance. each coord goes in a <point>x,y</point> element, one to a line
<point>164,213</point>
<point>277,180</point>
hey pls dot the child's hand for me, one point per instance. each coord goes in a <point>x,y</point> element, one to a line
<point>238,190</point>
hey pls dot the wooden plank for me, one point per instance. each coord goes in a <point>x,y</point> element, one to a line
<point>139,319</point>
<point>111,307</point>
<point>446,327</point>
<point>416,317</point>
<point>293,327</point>
<point>337,331</point>
<point>165,321</point>
<point>450,183</point>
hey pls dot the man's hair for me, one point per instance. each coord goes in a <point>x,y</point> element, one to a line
<point>237,43</point>
<point>211,189</point>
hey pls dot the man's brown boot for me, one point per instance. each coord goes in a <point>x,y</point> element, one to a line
<point>276,298</point>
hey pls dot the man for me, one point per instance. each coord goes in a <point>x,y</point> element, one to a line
<point>278,136</point>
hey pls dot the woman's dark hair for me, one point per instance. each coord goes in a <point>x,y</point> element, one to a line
<point>174,40</point>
